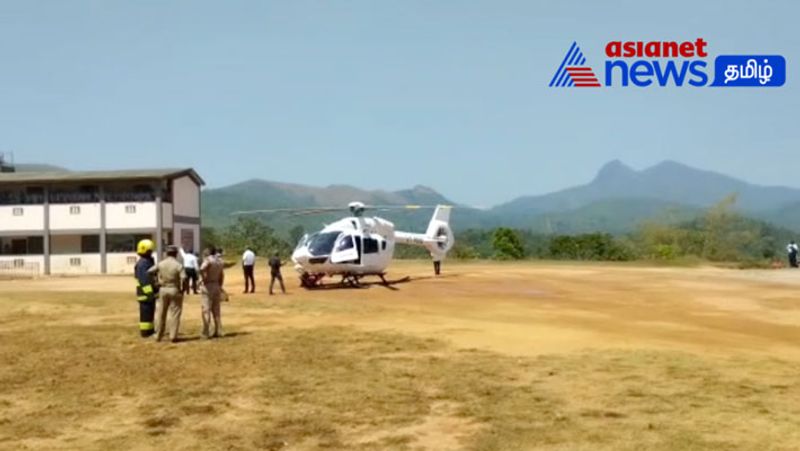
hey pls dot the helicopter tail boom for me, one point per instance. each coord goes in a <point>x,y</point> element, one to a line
<point>438,239</point>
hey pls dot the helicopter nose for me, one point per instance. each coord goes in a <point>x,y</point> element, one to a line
<point>300,257</point>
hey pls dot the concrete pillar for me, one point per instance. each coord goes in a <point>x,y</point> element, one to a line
<point>159,222</point>
<point>46,237</point>
<point>103,252</point>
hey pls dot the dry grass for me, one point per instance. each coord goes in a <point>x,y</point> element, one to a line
<point>353,370</point>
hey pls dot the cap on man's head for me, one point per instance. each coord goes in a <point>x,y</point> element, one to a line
<point>172,250</point>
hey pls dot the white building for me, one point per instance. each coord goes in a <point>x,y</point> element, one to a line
<point>90,222</point>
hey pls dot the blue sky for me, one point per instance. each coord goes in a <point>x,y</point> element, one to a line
<point>384,94</point>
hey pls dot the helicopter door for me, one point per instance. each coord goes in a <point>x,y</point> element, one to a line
<point>345,249</point>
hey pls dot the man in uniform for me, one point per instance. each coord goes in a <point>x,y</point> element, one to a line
<point>275,272</point>
<point>213,276</point>
<point>170,280</point>
<point>146,291</point>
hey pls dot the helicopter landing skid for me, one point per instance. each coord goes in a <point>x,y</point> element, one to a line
<point>349,280</point>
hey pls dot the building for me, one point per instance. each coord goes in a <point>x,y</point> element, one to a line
<point>89,222</point>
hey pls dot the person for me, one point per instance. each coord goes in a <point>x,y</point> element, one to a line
<point>248,265</point>
<point>146,291</point>
<point>792,249</point>
<point>275,273</point>
<point>170,275</point>
<point>213,275</point>
<point>190,267</point>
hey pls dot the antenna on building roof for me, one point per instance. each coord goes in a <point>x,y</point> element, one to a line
<point>7,162</point>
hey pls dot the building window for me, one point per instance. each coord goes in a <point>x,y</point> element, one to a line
<point>90,244</point>
<point>74,210</point>
<point>18,211</point>
<point>35,245</point>
<point>19,263</point>
<point>131,260</point>
<point>187,239</point>
<point>75,261</point>
<point>130,209</point>
<point>124,243</point>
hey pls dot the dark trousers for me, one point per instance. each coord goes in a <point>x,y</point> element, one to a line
<point>279,278</point>
<point>793,259</point>
<point>147,313</point>
<point>191,281</point>
<point>437,267</point>
<point>249,279</point>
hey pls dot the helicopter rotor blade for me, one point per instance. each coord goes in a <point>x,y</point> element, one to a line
<point>288,210</point>
<point>323,210</point>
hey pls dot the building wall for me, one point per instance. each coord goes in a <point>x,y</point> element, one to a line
<point>143,216</point>
<point>186,197</point>
<point>120,263</point>
<point>182,231</point>
<point>166,208</point>
<point>32,217</point>
<point>33,265</point>
<point>65,244</point>
<point>120,218</point>
<point>75,264</point>
<point>64,217</point>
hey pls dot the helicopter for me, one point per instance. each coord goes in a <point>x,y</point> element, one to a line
<point>357,246</point>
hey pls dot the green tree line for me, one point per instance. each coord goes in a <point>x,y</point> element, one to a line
<point>720,235</point>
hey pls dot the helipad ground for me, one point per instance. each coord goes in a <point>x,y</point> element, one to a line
<point>488,356</point>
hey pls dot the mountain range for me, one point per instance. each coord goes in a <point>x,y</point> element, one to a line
<point>616,200</point>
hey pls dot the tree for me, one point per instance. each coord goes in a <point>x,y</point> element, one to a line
<point>251,232</point>
<point>209,237</point>
<point>507,244</point>
<point>296,233</point>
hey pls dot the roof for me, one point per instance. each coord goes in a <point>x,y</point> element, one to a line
<point>98,176</point>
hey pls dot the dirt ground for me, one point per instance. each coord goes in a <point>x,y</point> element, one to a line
<point>489,356</point>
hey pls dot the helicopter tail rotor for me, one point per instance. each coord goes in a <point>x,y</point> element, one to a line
<point>438,239</point>
<point>439,235</point>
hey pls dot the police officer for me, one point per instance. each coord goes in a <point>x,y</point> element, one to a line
<point>146,291</point>
<point>170,300</point>
<point>275,264</point>
<point>213,276</point>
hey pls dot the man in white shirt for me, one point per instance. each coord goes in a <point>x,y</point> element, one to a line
<point>791,250</point>
<point>248,264</point>
<point>190,265</point>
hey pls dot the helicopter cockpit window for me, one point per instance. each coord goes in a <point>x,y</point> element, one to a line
<point>322,243</point>
<point>304,239</point>
<point>345,243</point>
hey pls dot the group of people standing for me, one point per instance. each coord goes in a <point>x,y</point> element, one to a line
<point>160,289</point>
<point>248,267</point>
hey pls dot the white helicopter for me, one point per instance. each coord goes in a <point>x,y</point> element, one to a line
<point>358,246</point>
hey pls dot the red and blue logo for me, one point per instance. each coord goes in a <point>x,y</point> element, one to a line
<point>669,63</point>
<point>573,71</point>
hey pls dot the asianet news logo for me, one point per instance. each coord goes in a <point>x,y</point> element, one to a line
<point>669,63</point>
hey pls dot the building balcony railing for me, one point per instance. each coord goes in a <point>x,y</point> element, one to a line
<point>21,199</point>
<point>76,198</point>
